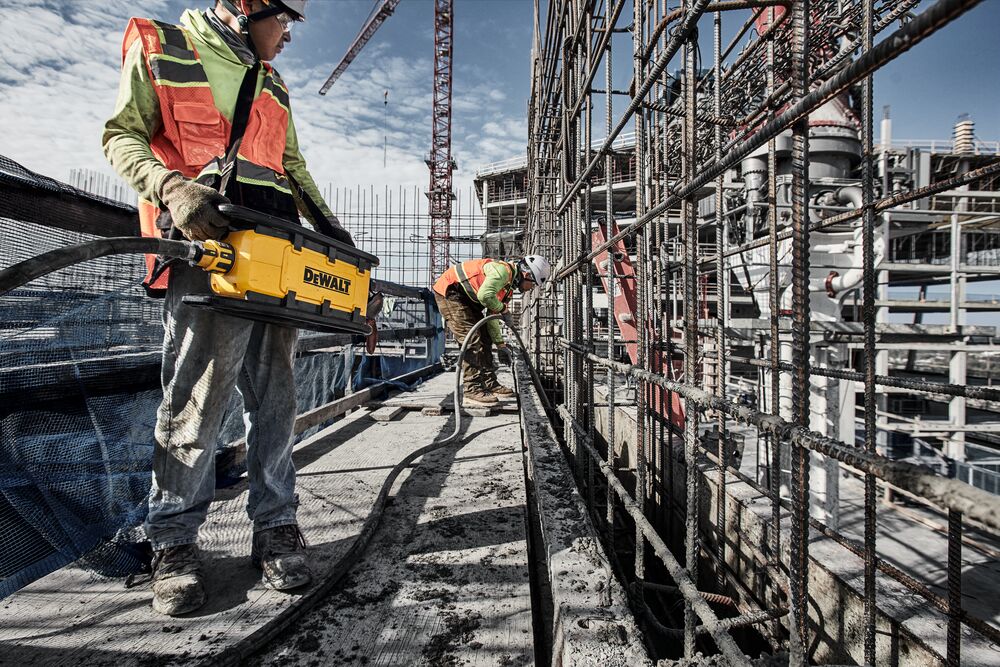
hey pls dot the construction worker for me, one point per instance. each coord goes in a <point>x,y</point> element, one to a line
<point>201,120</point>
<point>462,293</point>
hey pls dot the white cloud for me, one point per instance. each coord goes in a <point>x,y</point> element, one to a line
<point>54,101</point>
<point>60,71</point>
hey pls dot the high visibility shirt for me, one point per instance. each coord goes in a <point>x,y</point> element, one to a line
<point>487,282</point>
<point>137,118</point>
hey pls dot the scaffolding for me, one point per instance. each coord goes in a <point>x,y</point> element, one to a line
<point>703,269</point>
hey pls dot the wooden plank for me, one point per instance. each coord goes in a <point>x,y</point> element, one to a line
<point>341,406</point>
<point>77,617</point>
<point>386,414</point>
<point>439,410</point>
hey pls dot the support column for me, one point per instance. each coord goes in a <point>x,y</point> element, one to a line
<point>957,364</point>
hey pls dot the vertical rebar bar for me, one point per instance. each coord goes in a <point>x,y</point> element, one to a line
<point>721,310</point>
<point>610,269</point>
<point>954,648</point>
<point>868,316</point>
<point>798,570</point>
<point>640,322</point>
<point>691,307</point>
<point>588,285</point>
<point>774,297</point>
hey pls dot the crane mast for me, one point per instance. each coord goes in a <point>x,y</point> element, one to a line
<point>440,194</point>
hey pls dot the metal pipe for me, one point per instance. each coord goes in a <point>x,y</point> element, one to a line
<point>881,205</point>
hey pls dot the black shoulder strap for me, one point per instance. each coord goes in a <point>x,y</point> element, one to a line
<point>314,210</point>
<point>241,116</point>
<point>244,100</point>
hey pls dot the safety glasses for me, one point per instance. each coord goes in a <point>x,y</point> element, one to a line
<point>286,21</point>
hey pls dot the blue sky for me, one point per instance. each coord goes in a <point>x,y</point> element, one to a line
<point>60,61</point>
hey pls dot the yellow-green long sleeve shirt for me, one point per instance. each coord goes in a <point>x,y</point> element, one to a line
<point>497,277</point>
<point>136,119</point>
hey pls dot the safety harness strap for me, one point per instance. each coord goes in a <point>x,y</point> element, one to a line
<point>470,289</point>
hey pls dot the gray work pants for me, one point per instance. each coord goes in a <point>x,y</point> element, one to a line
<point>205,355</point>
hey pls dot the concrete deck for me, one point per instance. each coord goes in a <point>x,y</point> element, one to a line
<point>446,577</point>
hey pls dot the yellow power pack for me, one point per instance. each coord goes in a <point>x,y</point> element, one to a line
<point>284,273</point>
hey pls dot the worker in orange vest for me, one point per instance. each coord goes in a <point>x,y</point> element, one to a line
<point>463,293</point>
<point>202,119</point>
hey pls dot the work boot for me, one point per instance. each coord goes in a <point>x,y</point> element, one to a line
<point>280,553</point>
<point>178,586</point>
<point>478,396</point>
<point>492,385</point>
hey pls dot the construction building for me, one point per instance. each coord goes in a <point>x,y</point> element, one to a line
<point>757,417</point>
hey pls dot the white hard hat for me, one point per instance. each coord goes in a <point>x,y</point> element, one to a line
<point>296,7</point>
<point>538,267</point>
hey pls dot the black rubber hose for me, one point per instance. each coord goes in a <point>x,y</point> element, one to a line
<point>239,652</point>
<point>24,272</point>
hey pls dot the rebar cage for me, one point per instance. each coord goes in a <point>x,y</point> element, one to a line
<point>728,274</point>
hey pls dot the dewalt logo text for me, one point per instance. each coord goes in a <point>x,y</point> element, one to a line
<point>326,280</point>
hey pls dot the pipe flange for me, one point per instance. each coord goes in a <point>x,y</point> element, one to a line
<point>830,291</point>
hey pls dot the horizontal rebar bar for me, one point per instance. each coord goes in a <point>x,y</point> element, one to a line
<point>966,391</point>
<point>733,623</point>
<point>711,598</point>
<point>942,491</point>
<point>902,40</point>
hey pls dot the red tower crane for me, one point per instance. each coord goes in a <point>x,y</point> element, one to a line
<point>440,193</point>
<point>440,162</point>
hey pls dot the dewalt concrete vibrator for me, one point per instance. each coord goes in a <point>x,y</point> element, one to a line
<point>265,269</point>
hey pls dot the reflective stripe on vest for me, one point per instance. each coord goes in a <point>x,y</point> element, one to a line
<point>194,134</point>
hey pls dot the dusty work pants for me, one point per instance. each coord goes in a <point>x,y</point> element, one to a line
<point>205,355</point>
<point>461,314</point>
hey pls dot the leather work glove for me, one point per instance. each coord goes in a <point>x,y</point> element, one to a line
<point>194,208</point>
<point>338,232</point>
<point>503,354</point>
<point>508,319</point>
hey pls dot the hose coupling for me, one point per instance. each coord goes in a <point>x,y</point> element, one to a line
<point>215,256</point>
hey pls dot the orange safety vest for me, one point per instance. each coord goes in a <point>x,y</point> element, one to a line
<point>194,134</point>
<point>470,276</point>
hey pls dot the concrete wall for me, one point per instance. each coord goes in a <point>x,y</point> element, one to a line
<point>591,623</point>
